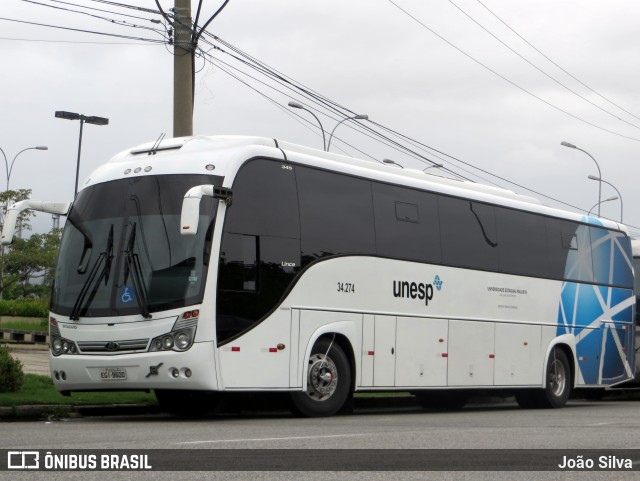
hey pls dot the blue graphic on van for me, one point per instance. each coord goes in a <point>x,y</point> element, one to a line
<point>438,282</point>
<point>600,317</point>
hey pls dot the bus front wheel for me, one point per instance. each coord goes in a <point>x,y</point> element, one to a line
<point>328,381</point>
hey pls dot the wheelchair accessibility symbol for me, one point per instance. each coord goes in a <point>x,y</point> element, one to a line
<point>127,295</point>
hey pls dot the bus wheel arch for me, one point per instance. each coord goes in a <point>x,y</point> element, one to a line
<point>559,379</point>
<point>329,376</point>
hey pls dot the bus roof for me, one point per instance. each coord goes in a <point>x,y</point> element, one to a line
<point>229,152</point>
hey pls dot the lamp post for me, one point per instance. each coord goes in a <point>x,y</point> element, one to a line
<point>593,177</point>
<point>434,166</point>
<point>571,146</point>
<point>392,162</point>
<point>355,117</point>
<point>9,167</point>
<point>61,114</point>
<point>608,199</point>
<point>298,105</point>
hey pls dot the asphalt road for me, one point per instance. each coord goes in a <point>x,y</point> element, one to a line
<point>580,426</point>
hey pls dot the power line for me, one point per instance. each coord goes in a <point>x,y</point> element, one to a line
<point>554,63</point>
<point>511,82</point>
<point>92,8</point>
<point>128,37</point>
<point>78,42</point>
<point>123,23</point>
<point>327,104</point>
<point>124,5</point>
<point>266,70</point>
<point>495,37</point>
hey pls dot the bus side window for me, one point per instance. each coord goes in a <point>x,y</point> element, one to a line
<point>468,231</point>
<point>406,223</point>
<point>239,263</point>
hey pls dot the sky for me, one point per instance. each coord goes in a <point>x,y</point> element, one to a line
<point>449,74</point>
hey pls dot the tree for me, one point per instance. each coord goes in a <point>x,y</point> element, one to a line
<point>26,259</point>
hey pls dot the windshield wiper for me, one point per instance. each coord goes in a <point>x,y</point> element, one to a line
<point>104,270</point>
<point>132,267</point>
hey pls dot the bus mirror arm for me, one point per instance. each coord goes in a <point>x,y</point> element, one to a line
<point>190,216</point>
<point>13,212</point>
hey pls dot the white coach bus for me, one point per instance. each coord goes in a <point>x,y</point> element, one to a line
<point>208,265</point>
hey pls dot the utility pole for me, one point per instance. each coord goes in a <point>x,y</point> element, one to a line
<point>183,70</point>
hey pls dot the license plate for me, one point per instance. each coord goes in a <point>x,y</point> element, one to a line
<point>113,374</point>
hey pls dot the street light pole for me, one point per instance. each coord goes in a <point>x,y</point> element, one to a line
<point>298,105</point>
<point>392,162</point>
<point>608,199</point>
<point>355,117</point>
<point>593,177</point>
<point>9,167</point>
<point>434,166</point>
<point>571,146</point>
<point>82,118</point>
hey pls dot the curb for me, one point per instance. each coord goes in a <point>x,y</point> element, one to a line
<point>53,411</point>
<point>20,337</point>
<point>50,411</point>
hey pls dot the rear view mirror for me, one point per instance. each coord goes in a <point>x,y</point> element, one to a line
<point>190,216</point>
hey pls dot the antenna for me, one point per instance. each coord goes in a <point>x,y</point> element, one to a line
<point>155,147</point>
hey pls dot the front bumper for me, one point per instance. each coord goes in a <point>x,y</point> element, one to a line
<point>148,370</point>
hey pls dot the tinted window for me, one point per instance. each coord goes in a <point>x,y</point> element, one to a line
<point>254,289</point>
<point>406,223</point>
<point>522,243</point>
<point>260,252</point>
<point>336,214</point>
<point>561,239</point>
<point>468,234</point>
<point>264,200</point>
<point>239,263</point>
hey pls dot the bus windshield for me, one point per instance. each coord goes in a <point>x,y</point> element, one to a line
<point>122,253</point>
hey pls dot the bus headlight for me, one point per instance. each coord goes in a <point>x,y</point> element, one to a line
<point>173,341</point>
<point>181,336</point>
<point>167,342</point>
<point>60,346</point>
<point>182,340</point>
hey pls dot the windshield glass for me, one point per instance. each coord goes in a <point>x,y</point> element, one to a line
<point>122,253</point>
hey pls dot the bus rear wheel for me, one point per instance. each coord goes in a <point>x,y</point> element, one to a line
<point>328,381</point>
<point>557,385</point>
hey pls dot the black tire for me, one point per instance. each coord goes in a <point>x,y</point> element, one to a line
<point>328,381</point>
<point>443,400</point>
<point>187,403</point>
<point>557,385</point>
<point>558,381</point>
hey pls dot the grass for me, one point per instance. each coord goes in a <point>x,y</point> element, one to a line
<point>39,390</point>
<point>39,326</point>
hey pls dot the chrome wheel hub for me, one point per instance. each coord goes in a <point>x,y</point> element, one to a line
<point>322,377</point>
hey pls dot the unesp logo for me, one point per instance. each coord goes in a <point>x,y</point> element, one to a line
<point>417,290</point>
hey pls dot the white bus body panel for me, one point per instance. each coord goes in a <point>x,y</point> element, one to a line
<point>513,319</point>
